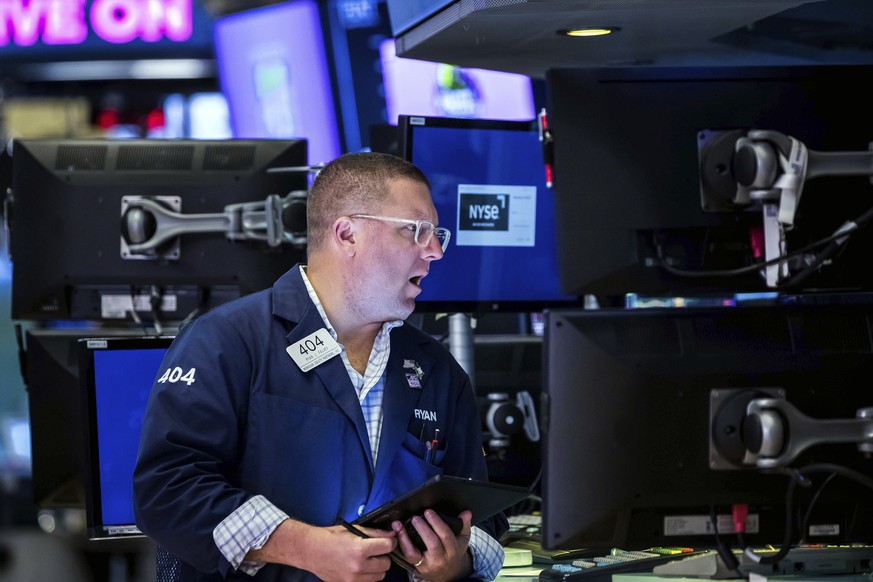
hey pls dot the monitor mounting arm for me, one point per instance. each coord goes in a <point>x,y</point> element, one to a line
<point>150,226</point>
<point>760,428</point>
<point>739,168</point>
<point>747,169</point>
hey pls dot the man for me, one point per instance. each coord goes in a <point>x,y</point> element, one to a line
<point>309,403</point>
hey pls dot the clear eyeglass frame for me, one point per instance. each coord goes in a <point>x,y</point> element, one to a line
<point>424,229</point>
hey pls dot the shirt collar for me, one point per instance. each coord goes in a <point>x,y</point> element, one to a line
<point>383,333</point>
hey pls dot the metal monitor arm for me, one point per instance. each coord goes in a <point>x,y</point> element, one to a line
<point>759,427</point>
<point>766,170</point>
<point>151,226</point>
<point>769,166</point>
<point>776,432</point>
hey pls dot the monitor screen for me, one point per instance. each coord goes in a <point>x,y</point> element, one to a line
<point>116,376</point>
<point>414,87</point>
<point>273,70</point>
<point>644,434</point>
<point>84,245</point>
<point>630,160</point>
<point>489,188</point>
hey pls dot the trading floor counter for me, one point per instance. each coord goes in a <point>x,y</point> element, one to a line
<point>809,564</point>
<point>526,561</point>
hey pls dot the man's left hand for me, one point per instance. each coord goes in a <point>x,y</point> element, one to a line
<point>447,556</point>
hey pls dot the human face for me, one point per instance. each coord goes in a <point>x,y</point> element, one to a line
<point>391,265</point>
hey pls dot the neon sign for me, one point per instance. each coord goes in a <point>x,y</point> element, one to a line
<point>58,22</point>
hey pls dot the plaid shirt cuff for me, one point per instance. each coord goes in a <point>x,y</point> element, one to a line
<point>487,554</point>
<point>247,528</point>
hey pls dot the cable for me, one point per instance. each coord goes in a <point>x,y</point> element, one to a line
<point>805,521</point>
<point>201,307</point>
<point>841,235</point>
<point>799,477</point>
<point>748,268</point>
<point>536,480</point>
<point>840,470</point>
<point>831,250</point>
<point>156,297</point>
<point>134,316</point>
<point>724,551</point>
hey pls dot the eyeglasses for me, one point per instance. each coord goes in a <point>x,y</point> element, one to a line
<point>424,230</point>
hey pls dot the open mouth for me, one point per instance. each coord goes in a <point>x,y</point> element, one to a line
<point>416,280</point>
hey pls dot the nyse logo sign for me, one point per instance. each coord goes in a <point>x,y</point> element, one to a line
<point>496,215</point>
<point>489,212</point>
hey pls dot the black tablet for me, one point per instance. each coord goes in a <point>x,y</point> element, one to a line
<point>447,495</point>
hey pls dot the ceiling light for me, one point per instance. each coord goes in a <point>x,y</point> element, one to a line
<point>591,31</point>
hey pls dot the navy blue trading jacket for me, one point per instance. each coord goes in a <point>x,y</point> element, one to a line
<point>242,419</point>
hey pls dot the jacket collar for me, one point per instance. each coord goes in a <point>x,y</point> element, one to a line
<point>291,301</point>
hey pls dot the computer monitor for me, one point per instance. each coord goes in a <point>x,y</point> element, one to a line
<point>423,88</point>
<point>643,425</point>
<point>84,245</point>
<point>630,160</point>
<point>116,376</point>
<point>56,411</point>
<point>274,71</point>
<point>489,188</point>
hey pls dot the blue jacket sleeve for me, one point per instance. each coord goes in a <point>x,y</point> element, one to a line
<point>190,443</point>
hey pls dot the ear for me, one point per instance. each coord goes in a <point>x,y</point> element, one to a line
<point>344,235</point>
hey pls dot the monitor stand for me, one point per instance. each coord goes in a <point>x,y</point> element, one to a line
<point>461,341</point>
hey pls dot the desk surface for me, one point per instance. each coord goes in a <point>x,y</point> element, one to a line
<point>757,577</point>
<point>801,565</point>
<point>531,574</point>
<point>521,574</point>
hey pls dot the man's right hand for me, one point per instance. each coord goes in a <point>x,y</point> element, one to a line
<point>333,553</point>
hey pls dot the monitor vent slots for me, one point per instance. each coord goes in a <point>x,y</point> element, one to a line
<point>832,333</point>
<point>826,333</point>
<point>749,333</point>
<point>74,158</point>
<point>229,157</point>
<point>159,157</point>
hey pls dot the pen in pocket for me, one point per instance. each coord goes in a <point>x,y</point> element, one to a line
<point>432,446</point>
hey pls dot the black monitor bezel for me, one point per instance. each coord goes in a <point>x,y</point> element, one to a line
<point>627,418</point>
<point>405,126</point>
<point>64,264</point>
<point>628,187</point>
